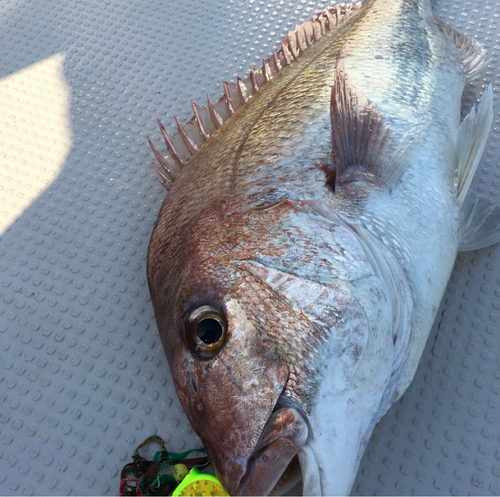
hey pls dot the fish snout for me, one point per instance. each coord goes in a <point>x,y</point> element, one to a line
<point>230,470</point>
<point>283,435</point>
<point>267,468</point>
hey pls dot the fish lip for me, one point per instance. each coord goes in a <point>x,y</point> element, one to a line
<point>284,434</point>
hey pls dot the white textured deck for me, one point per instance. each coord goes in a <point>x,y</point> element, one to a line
<point>83,377</point>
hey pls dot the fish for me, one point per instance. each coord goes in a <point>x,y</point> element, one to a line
<point>312,219</point>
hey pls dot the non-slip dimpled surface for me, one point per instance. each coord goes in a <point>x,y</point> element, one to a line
<point>83,376</point>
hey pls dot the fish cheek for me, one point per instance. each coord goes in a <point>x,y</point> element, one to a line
<point>229,398</point>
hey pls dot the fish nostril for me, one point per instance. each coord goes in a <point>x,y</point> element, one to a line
<point>192,383</point>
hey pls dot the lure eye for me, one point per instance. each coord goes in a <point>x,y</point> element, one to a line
<point>205,331</point>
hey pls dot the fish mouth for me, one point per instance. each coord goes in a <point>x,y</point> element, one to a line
<point>284,434</point>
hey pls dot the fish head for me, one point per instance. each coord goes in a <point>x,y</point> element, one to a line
<point>234,398</point>
<point>228,370</point>
<point>260,330</point>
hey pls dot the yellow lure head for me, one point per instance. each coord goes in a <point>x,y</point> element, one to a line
<point>179,472</point>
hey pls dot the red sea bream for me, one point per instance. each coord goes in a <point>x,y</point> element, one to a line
<point>312,220</point>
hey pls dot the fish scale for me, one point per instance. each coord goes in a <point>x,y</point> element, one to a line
<point>315,232</point>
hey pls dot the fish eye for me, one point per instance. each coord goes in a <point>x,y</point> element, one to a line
<point>209,331</point>
<point>205,331</point>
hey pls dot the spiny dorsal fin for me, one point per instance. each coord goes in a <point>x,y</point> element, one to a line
<point>207,119</point>
<point>472,52</point>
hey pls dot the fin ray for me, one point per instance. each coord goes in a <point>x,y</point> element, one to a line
<point>472,52</point>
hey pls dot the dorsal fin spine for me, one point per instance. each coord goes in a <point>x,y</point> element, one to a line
<point>190,144</point>
<point>266,70</point>
<point>228,99</point>
<point>276,62</point>
<point>253,79</point>
<point>300,33</point>
<point>170,146</point>
<point>242,91</point>
<point>165,181</point>
<point>293,44</point>
<point>286,52</point>
<point>319,28</point>
<point>216,119</point>
<point>199,123</point>
<point>331,17</point>
<point>281,59</point>
<point>163,168</point>
<point>162,160</point>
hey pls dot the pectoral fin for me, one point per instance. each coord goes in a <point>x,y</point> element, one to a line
<point>471,141</point>
<point>480,217</point>
<point>480,223</point>
<point>362,145</point>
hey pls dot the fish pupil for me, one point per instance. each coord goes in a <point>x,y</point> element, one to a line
<point>209,331</point>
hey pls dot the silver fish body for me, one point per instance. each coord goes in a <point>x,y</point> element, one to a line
<point>301,254</point>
